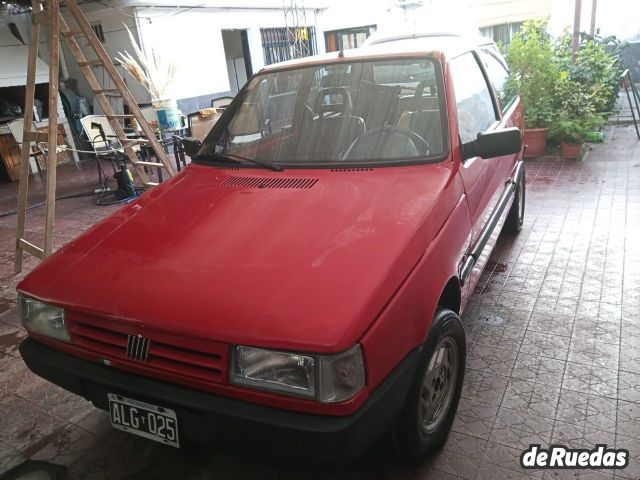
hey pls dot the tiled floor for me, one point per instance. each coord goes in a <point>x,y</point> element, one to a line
<point>553,332</point>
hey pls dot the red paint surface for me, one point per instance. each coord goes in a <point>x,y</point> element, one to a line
<point>362,256</point>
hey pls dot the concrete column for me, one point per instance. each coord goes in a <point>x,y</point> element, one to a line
<point>255,49</point>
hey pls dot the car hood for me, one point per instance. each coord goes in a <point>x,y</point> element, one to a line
<point>300,259</point>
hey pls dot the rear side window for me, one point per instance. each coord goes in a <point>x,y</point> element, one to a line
<point>499,76</point>
<point>473,99</point>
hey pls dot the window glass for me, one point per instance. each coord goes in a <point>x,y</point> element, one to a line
<point>473,99</point>
<point>499,76</point>
<point>353,112</point>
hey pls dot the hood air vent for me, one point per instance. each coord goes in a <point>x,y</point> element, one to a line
<point>352,169</point>
<point>258,182</point>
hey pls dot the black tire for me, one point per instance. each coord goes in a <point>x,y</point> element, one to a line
<point>413,438</point>
<point>515,218</point>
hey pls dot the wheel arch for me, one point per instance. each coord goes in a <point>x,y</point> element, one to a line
<point>451,296</point>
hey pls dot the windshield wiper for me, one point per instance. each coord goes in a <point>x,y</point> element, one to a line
<point>238,159</point>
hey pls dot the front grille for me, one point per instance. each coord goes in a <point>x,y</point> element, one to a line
<point>182,357</point>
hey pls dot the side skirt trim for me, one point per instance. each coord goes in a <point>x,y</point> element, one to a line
<point>490,226</point>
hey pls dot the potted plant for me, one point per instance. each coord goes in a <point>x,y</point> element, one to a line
<point>572,133</point>
<point>534,74</point>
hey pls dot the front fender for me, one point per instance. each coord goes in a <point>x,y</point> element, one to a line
<point>405,322</point>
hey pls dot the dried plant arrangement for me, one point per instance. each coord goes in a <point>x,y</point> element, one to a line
<point>153,71</point>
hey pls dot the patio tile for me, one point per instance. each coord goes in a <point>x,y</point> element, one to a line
<point>589,378</point>
<point>475,418</point>
<point>538,369</point>
<point>632,471</point>
<point>459,456</point>
<point>628,419</point>
<point>502,462</point>
<point>519,430</point>
<point>553,335</point>
<point>531,397</point>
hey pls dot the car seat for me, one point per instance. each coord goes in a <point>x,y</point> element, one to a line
<point>427,124</point>
<point>334,129</point>
<point>376,104</point>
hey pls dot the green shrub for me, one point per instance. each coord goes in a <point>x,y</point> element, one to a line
<point>534,72</point>
<point>568,131</point>
<point>593,78</point>
<point>574,130</point>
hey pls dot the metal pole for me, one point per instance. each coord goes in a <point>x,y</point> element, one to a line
<point>594,6</point>
<point>576,30</point>
<point>625,78</point>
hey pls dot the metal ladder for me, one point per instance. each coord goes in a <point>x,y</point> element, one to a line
<point>49,11</point>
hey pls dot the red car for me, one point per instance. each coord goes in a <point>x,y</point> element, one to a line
<point>300,283</point>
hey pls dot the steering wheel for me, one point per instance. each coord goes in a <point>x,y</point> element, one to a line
<point>423,147</point>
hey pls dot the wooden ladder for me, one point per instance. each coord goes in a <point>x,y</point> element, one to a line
<point>49,11</point>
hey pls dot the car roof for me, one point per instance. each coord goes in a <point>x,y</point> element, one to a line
<point>448,44</point>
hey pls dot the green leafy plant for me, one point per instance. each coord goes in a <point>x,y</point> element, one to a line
<point>568,131</point>
<point>534,72</point>
<point>574,130</point>
<point>586,89</point>
<point>572,99</point>
<point>593,77</point>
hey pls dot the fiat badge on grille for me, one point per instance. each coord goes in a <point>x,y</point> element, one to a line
<point>138,348</point>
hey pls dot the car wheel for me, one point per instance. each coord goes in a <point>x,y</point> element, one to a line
<point>515,218</point>
<point>433,398</point>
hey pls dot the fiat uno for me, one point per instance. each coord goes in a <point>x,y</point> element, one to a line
<point>300,284</point>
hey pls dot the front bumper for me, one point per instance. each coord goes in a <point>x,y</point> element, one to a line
<point>205,417</point>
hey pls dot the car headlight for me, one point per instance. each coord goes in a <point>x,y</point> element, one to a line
<point>327,378</point>
<point>39,317</point>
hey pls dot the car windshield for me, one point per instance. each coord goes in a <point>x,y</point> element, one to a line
<point>364,112</point>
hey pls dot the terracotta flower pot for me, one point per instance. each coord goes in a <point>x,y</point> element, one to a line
<point>535,139</point>
<point>570,151</point>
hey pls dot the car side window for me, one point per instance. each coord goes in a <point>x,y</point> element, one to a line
<point>499,76</point>
<point>474,104</point>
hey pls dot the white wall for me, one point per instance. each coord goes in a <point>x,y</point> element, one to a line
<point>194,39</point>
<point>13,54</point>
<point>354,13</point>
<point>613,17</point>
<point>255,48</point>
<point>425,16</point>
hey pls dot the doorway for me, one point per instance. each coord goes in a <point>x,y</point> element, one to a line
<point>236,51</point>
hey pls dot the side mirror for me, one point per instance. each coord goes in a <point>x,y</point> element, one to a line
<point>494,144</point>
<point>191,146</point>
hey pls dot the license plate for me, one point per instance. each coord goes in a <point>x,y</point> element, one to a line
<point>143,419</point>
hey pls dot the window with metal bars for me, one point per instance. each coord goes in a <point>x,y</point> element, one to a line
<point>280,44</point>
<point>502,33</point>
<point>97,29</point>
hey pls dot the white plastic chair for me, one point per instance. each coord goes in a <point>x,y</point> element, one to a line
<point>16,127</point>
<point>92,124</point>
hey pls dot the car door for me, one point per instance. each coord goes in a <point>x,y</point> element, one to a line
<point>478,110</point>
